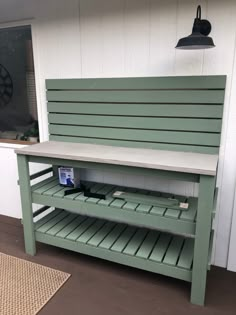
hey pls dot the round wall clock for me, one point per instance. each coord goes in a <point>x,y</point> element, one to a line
<point>6,86</point>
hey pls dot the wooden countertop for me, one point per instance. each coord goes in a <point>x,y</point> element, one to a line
<point>187,162</point>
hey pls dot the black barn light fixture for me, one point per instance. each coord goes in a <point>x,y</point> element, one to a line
<point>199,38</point>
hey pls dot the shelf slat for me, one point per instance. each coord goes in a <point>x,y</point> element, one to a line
<point>67,229</point>
<point>94,228</point>
<point>173,251</point>
<point>51,223</point>
<point>186,256</point>
<point>161,247</point>
<point>80,229</point>
<point>112,236</point>
<point>123,239</point>
<point>101,234</point>
<point>148,244</point>
<point>59,226</point>
<point>135,242</point>
<point>44,220</point>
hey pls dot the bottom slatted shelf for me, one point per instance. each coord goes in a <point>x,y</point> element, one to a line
<point>137,247</point>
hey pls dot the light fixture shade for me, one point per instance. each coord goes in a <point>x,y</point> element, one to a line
<point>199,38</point>
<point>195,41</point>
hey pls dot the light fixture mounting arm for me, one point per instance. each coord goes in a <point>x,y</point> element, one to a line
<point>201,26</point>
<point>199,12</point>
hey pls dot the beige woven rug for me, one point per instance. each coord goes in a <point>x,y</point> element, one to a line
<point>25,287</point>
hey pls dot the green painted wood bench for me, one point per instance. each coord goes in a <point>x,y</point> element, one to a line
<point>168,127</point>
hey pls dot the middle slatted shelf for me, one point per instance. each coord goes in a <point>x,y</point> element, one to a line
<point>50,193</point>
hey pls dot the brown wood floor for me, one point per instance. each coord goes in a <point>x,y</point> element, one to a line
<point>98,287</point>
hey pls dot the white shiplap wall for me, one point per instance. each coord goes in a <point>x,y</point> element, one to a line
<point>113,38</point>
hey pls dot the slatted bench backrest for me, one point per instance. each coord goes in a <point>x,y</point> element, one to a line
<point>169,113</point>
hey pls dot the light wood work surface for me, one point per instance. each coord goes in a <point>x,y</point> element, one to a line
<point>157,159</point>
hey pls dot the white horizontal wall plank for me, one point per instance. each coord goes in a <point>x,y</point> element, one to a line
<point>137,37</point>
<point>91,38</point>
<point>56,43</point>
<point>58,40</point>
<point>163,20</point>
<point>112,38</point>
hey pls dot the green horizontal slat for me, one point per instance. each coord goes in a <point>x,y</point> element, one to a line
<point>190,138</point>
<point>46,187</point>
<point>186,256</point>
<point>175,82</point>
<point>123,239</point>
<point>53,190</point>
<point>158,110</point>
<point>61,224</point>
<point>46,218</point>
<point>172,213</point>
<point>158,210</point>
<point>160,247</point>
<point>71,226</point>
<point>138,144</point>
<point>147,246</point>
<point>80,229</point>
<point>42,183</point>
<point>135,242</point>
<point>112,236</point>
<point>89,233</point>
<point>60,193</point>
<point>49,224</point>
<point>212,125</point>
<point>173,251</point>
<point>117,203</point>
<point>109,199</point>
<point>81,197</point>
<point>95,189</point>
<point>130,206</point>
<point>170,96</point>
<point>143,208</point>
<point>101,234</point>
<point>73,196</point>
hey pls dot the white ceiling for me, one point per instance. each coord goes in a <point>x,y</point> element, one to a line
<point>11,10</point>
<point>14,10</point>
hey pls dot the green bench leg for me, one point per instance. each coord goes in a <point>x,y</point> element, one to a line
<point>26,204</point>
<point>202,239</point>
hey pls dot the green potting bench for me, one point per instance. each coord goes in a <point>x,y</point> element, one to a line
<point>168,127</point>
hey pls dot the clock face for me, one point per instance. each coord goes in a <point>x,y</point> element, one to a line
<point>6,86</point>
